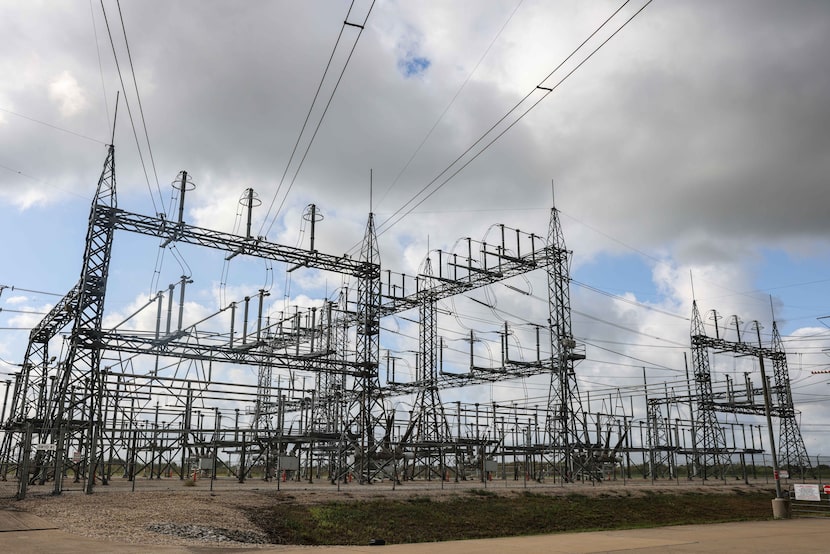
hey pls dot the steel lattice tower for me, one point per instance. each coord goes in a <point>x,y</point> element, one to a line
<point>709,441</point>
<point>566,425</point>
<point>659,441</point>
<point>372,428</point>
<point>792,454</point>
<point>331,383</point>
<point>70,416</point>
<point>428,429</point>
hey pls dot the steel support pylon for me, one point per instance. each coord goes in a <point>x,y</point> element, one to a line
<point>66,415</point>
<point>566,424</point>
<point>367,433</point>
<point>792,454</point>
<point>428,432</point>
<point>708,441</point>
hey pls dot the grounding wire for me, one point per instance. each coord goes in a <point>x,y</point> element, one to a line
<point>14,288</point>
<point>627,300</point>
<point>55,127</point>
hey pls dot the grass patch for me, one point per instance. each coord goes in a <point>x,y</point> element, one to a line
<point>418,519</point>
<point>482,492</point>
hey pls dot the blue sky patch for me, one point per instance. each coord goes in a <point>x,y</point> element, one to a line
<point>413,66</point>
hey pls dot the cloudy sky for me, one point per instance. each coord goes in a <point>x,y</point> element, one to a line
<point>691,148</point>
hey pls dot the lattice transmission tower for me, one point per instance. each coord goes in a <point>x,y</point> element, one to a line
<point>709,440</point>
<point>68,415</point>
<point>566,425</point>
<point>792,454</point>
<point>428,433</point>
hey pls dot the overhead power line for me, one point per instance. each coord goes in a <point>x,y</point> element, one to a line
<point>14,288</point>
<point>130,112</point>
<point>138,98</point>
<point>627,300</point>
<point>61,129</point>
<point>454,98</point>
<point>496,130</point>
<point>302,134</point>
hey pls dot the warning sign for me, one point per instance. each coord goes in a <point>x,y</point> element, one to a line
<point>807,492</point>
<point>826,489</point>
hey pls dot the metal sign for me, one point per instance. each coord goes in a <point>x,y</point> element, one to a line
<point>807,492</point>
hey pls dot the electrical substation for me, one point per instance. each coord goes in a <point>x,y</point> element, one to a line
<point>326,398</point>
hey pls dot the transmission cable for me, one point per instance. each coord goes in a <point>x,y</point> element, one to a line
<point>308,116</point>
<point>400,214</point>
<point>138,98</point>
<point>129,109</point>
<point>100,64</point>
<point>33,120</point>
<point>627,300</point>
<point>452,101</point>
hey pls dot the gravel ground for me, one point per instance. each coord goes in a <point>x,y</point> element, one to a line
<point>168,512</point>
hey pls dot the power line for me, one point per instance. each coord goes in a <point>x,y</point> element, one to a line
<point>100,65</point>
<point>138,98</point>
<point>14,288</point>
<point>346,23</point>
<point>129,111</point>
<point>29,312</point>
<point>399,214</point>
<point>26,175</point>
<point>63,130</point>
<point>627,300</point>
<point>447,108</point>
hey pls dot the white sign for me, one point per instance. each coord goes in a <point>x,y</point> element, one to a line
<point>807,492</point>
<point>290,463</point>
<point>784,474</point>
<point>44,446</point>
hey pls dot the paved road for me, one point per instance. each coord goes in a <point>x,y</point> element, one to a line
<point>794,535</point>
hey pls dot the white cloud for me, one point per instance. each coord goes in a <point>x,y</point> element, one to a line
<point>16,300</point>
<point>65,91</point>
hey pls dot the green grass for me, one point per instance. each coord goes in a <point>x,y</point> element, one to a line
<point>419,519</point>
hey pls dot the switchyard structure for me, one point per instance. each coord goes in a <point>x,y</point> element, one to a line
<point>128,401</point>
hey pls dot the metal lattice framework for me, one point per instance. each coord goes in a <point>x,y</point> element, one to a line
<point>428,434</point>
<point>714,457</point>
<point>566,429</point>
<point>792,454</point>
<point>69,415</point>
<point>709,440</point>
<point>145,401</point>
